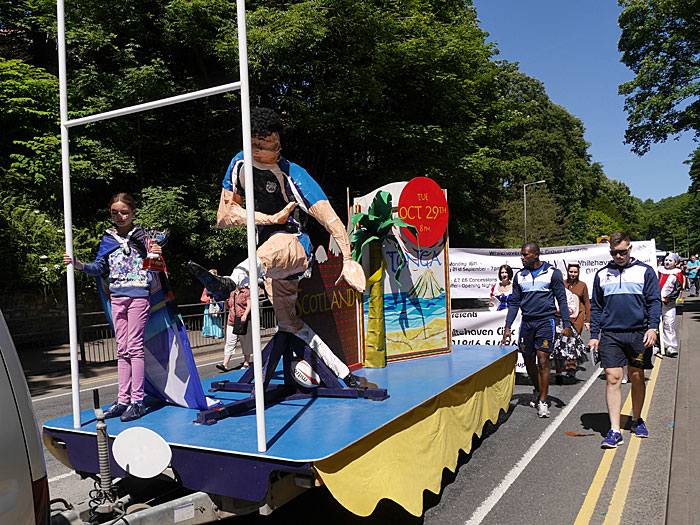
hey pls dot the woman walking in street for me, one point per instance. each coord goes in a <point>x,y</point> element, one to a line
<point>572,349</point>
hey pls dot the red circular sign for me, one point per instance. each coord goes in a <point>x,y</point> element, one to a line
<point>422,204</point>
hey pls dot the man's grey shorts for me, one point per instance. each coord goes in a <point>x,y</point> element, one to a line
<point>617,349</point>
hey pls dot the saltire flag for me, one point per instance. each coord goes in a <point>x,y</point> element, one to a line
<point>171,373</point>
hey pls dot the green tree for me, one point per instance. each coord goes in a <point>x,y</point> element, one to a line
<point>669,221</point>
<point>546,222</point>
<point>598,223</point>
<point>189,226</point>
<point>578,230</point>
<point>605,207</point>
<point>31,245</point>
<point>371,91</point>
<point>660,43</point>
<point>537,139</point>
<point>28,119</point>
<point>382,91</point>
<point>694,171</point>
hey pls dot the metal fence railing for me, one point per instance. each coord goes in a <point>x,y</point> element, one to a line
<point>97,342</point>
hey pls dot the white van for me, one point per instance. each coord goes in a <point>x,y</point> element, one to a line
<point>24,487</point>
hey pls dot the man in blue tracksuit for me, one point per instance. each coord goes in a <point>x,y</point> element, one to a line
<point>625,311</point>
<point>534,289</point>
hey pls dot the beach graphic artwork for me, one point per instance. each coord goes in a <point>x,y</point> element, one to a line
<point>416,309</point>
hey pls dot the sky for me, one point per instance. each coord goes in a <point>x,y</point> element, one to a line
<point>571,47</point>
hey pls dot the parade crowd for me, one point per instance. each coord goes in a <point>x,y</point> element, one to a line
<point>628,303</point>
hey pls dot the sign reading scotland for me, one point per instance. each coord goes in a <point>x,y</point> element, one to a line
<point>473,270</point>
<point>413,272</point>
<point>328,307</point>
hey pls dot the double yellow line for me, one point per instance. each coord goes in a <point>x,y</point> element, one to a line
<point>617,503</point>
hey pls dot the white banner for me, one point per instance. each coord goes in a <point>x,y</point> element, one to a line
<point>473,271</point>
<point>484,327</point>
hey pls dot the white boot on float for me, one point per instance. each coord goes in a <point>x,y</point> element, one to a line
<point>322,350</point>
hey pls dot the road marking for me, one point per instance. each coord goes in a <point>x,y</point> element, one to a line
<point>617,503</point>
<point>593,494</point>
<point>586,512</point>
<point>56,478</point>
<point>589,503</point>
<point>496,494</point>
<point>35,400</point>
<point>98,379</point>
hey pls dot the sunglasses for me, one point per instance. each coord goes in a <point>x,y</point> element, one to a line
<point>119,212</point>
<point>619,252</point>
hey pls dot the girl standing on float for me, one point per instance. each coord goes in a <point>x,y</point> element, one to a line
<point>120,257</point>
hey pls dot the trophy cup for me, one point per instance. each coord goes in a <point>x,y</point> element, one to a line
<point>158,235</point>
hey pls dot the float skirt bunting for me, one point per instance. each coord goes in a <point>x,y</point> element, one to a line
<point>407,455</point>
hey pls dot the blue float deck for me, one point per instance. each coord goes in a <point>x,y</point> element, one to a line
<point>308,429</point>
<point>298,432</point>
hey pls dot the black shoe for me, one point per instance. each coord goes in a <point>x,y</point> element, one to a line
<point>117,409</point>
<point>351,381</point>
<point>134,411</point>
<point>219,287</point>
<point>223,368</point>
<point>558,379</point>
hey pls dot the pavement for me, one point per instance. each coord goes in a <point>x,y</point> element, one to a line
<point>670,462</point>
<point>683,503</point>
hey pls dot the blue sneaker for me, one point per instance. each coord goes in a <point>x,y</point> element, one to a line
<point>612,440</point>
<point>639,428</point>
<point>117,409</point>
<point>134,411</point>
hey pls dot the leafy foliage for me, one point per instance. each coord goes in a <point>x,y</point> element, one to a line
<point>660,42</point>
<point>28,119</point>
<point>546,221</point>
<point>189,225</point>
<point>670,222</point>
<point>32,246</point>
<point>371,92</point>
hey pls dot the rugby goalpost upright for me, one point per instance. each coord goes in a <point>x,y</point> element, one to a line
<point>66,124</point>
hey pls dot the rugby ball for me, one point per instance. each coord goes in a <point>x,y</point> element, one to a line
<point>304,374</point>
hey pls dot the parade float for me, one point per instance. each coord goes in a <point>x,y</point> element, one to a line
<point>249,441</point>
